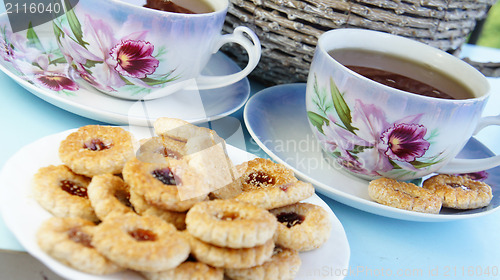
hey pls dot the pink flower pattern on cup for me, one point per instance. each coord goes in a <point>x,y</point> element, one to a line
<point>405,142</point>
<point>134,58</point>
<point>109,62</point>
<point>34,62</point>
<point>361,138</point>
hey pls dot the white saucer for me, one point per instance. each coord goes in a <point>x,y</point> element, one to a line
<point>276,119</point>
<point>191,105</point>
<point>23,215</point>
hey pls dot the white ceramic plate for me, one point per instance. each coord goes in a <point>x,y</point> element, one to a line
<point>23,215</point>
<point>191,105</point>
<point>276,119</point>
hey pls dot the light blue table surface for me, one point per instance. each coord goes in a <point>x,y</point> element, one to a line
<point>381,248</point>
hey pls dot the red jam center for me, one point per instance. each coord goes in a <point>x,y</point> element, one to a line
<point>455,185</point>
<point>142,235</point>
<point>164,175</point>
<point>78,236</point>
<point>285,187</point>
<point>73,188</point>
<point>171,153</point>
<point>260,178</point>
<point>95,145</point>
<point>228,216</point>
<point>124,197</point>
<point>290,219</point>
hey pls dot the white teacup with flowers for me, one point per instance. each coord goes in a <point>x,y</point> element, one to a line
<point>128,51</point>
<point>373,130</point>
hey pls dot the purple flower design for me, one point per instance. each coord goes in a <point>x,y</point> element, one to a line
<point>371,123</point>
<point>56,82</point>
<point>134,58</point>
<point>109,56</point>
<point>336,137</point>
<point>7,51</point>
<point>41,72</point>
<point>13,47</point>
<point>405,142</point>
<point>355,165</point>
<point>114,55</point>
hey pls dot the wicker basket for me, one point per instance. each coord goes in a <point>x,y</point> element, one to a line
<point>289,29</point>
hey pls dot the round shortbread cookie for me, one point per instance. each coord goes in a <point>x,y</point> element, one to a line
<point>229,223</point>
<point>404,195</point>
<point>178,219</point>
<point>142,243</point>
<point>156,149</point>
<point>109,195</point>
<point>283,265</point>
<point>205,152</point>
<point>159,183</point>
<point>459,192</point>
<point>63,193</point>
<point>262,173</point>
<point>69,240</point>
<point>275,196</point>
<point>96,149</point>
<point>230,258</point>
<point>302,226</point>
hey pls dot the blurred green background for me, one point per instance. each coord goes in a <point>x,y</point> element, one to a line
<point>490,35</point>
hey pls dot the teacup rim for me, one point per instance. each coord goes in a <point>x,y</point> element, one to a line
<point>157,12</point>
<point>485,95</point>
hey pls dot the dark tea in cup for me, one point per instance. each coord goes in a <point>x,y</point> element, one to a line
<point>402,73</point>
<point>183,7</point>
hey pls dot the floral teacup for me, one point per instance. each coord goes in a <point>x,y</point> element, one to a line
<point>128,51</point>
<point>373,130</point>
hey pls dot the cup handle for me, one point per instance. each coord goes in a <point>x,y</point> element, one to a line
<point>474,165</point>
<point>253,48</point>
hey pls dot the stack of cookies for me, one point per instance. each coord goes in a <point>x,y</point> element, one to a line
<point>175,208</point>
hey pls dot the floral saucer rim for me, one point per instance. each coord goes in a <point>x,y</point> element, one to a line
<point>236,97</point>
<point>297,149</point>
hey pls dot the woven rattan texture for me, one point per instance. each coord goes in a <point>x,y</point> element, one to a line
<point>289,29</point>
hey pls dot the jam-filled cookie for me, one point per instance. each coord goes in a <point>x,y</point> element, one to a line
<point>63,193</point>
<point>228,257</point>
<point>159,183</point>
<point>96,149</point>
<point>142,243</point>
<point>108,195</point>
<point>283,265</point>
<point>156,149</point>
<point>178,219</point>
<point>263,173</point>
<point>459,192</point>
<point>229,191</point>
<point>229,223</point>
<point>69,240</point>
<point>205,152</point>
<point>404,195</point>
<point>275,196</point>
<point>302,226</point>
